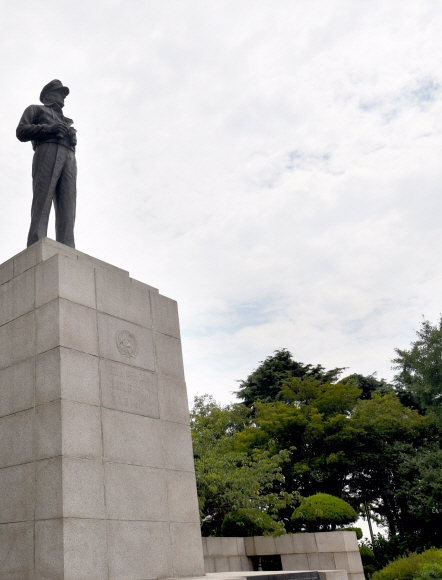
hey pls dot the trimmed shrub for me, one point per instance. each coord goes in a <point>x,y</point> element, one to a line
<point>245,522</point>
<point>388,549</point>
<point>430,572</point>
<point>322,512</point>
<point>409,567</point>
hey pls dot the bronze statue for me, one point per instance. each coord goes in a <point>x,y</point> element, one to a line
<point>54,168</point>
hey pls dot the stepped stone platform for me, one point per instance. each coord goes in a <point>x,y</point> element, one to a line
<point>97,478</point>
<point>298,575</point>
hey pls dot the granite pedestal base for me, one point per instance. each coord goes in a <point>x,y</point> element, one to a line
<point>96,469</point>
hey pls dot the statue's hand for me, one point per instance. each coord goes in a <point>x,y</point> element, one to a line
<point>59,128</point>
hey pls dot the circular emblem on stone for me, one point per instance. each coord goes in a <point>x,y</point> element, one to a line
<point>126,343</point>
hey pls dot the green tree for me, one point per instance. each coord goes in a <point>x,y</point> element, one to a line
<point>387,431</point>
<point>369,385</point>
<point>264,383</point>
<point>419,380</point>
<point>311,423</point>
<point>338,443</point>
<point>419,494</point>
<point>350,438</point>
<point>227,478</point>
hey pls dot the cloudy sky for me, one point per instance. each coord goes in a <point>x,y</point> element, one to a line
<point>274,166</point>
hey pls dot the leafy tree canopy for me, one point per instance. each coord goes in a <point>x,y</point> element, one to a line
<point>265,382</point>
<point>370,385</point>
<point>295,436</point>
<point>419,379</point>
<point>419,492</point>
<point>229,479</point>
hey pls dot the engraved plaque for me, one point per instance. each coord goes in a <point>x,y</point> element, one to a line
<point>130,389</point>
<point>126,343</point>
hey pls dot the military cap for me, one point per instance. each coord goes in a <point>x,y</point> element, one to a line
<point>54,85</point>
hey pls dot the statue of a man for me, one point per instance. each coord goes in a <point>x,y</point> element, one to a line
<point>54,168</point>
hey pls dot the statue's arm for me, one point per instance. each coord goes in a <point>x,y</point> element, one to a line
<point>28,129</point>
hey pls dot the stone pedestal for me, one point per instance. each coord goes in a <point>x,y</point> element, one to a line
<point>96,469</point>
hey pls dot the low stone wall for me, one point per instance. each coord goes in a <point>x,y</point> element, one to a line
<point>226,555</point>
<point>320,551</point>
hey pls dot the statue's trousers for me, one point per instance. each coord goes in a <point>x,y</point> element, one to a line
<point>54,176</point>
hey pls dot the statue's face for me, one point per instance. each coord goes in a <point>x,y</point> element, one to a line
<point>56,97</point>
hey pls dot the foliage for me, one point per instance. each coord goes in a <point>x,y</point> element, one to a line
<point>419,493</point>
<point>409,567</point>
<point>264,383</point>
<point>338,444</point>
<point>387,549</point>
<point>369,385</point>
<point>351,438</point>
<point>309,423</point>
<point>367,555</point>
<point>323,512</point>
<point>389,433</point>
<point>368,560</point>
<point>430,572</point>
<point>420,369</point>
<point>228,479</point>
<point>250,522</point>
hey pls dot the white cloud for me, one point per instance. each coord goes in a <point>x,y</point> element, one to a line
<point>272,166</point>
